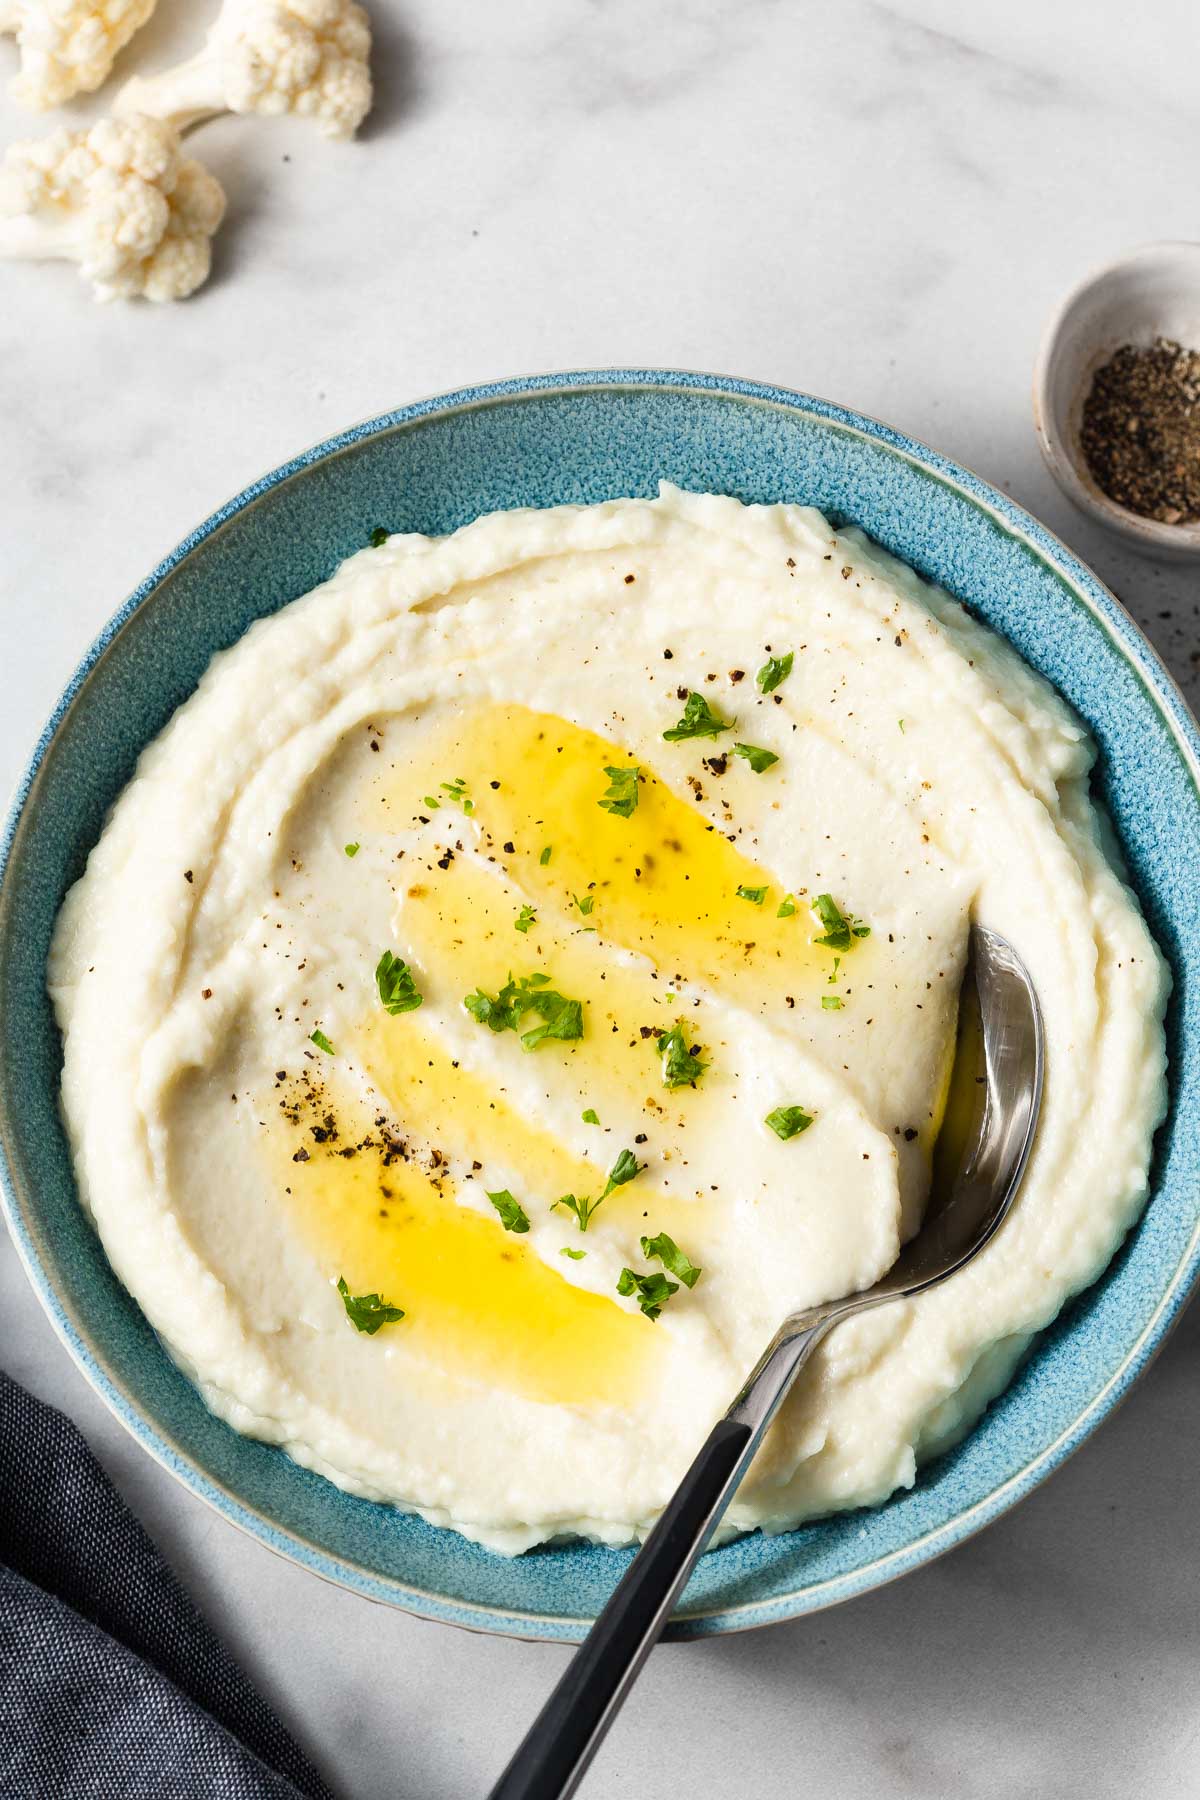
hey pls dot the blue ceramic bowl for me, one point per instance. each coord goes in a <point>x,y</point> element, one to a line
<point>432,467</point>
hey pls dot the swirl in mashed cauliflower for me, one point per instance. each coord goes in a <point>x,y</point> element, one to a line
<point>526,969</point>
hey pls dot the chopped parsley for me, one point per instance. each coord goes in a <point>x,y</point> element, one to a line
<point>788,1121</point>
<point>322,1042</point>
<point>698,721</point>
<point>575,1255</point>
<point>352,849</point>
<point>457,790</point>
<point>652,1291</point>
<point>581,1210</point>
<point>841,928</point>
<point>786,908</point>
<point>561,1018</point>
<point>524,919</point>
<point>585,902</point>
<point>621,795</point>
<point>668,1253</point>
<point>377,537</point>
<point>681,1067</point>
<point>591,1116</point>
<point>430,802</point>
<point>623,1170</point>
<point>397,989</point>
<point>900,723</point>
<point>760,760</point>
<point>832,1002</point>
<point>513,1216</point>
<point>773,671</point>
<point>544,858</point>
<point>367,1312</point>
<point>755,896</point>
<point>502,1013</point>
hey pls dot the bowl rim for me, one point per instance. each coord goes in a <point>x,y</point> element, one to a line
<point>487,1617</point>
<point>1150,536</point>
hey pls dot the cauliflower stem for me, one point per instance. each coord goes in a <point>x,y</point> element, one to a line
<point>183,96</point>
<point>29,239</point>
<point>309,57</point>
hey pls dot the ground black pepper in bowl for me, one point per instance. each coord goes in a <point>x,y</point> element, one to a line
<point>1140,434</point>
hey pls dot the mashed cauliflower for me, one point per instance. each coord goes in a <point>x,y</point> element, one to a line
<point>526,969</point>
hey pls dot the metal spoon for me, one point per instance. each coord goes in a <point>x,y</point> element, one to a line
<point>980,1156</point>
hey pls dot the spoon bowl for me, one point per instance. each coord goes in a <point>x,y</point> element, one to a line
<point>980,1157</point>
<point>990,1118</point>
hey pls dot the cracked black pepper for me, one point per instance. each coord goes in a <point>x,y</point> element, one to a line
<point>1140,433</point>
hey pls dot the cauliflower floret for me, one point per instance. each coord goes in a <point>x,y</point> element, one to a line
<point>268,56</point>
<point>121,200</point>
<point>68,46</point>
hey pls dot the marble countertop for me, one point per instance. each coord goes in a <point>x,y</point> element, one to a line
<point>875,202</point>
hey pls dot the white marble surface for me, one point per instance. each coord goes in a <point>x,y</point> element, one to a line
<point>879,203</point>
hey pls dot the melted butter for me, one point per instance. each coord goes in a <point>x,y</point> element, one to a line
<point>664,882</point>
<point>663,886</point>
<point>479,1303</point>
<point>453,1109</point>
<point>460,933</point>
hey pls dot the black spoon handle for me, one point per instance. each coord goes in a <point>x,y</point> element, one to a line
<point>551,1760</point>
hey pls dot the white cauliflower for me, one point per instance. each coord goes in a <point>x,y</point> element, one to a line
<point>268,56</point>
<point>121,200</point>
<point>68,46</point>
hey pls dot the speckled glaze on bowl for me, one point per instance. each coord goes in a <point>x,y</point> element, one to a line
<point>431,467</point>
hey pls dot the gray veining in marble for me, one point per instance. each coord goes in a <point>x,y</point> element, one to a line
<point>876,202</point>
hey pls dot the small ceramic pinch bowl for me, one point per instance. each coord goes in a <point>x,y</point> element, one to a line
<point>431,467</point>
<point>1151,293</point>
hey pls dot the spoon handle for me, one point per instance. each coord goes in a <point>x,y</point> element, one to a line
<point>551,1760</point>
